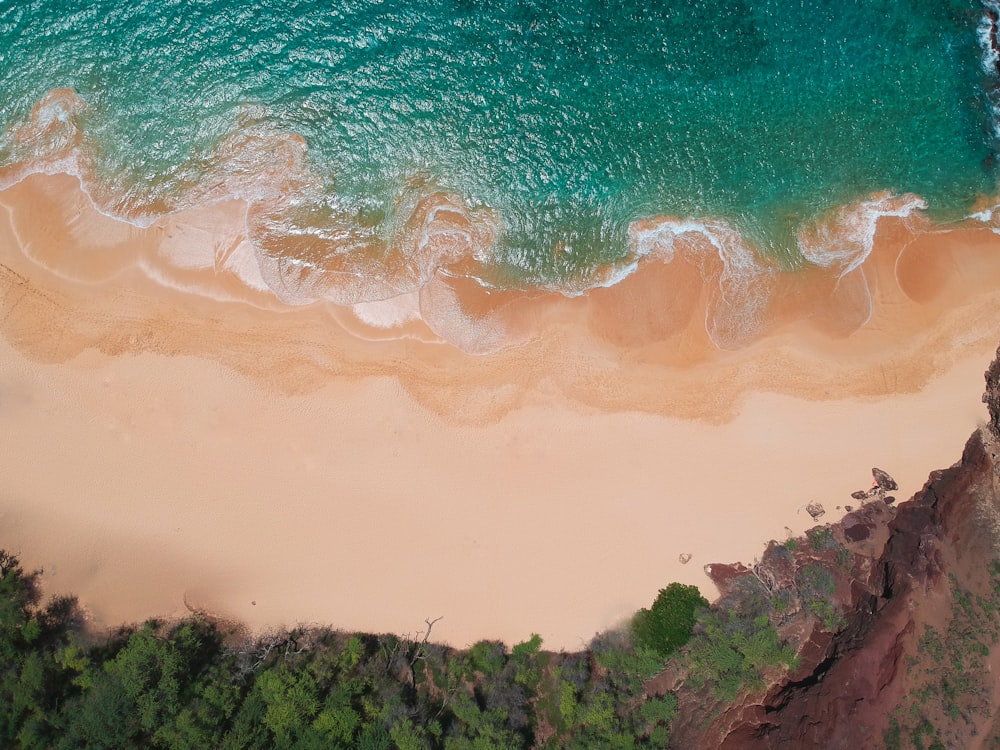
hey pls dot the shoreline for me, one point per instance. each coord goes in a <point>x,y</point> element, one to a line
<point>263,464</point>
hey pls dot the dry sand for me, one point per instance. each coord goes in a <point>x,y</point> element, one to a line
<point>163,449</point>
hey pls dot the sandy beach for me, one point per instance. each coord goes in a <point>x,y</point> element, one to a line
<point>175,437</point>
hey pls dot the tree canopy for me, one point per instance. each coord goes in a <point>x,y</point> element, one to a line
<point>668,624</point>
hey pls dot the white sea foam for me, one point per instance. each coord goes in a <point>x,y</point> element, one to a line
<point>301,259</point>
<point>988,216</point>
<point>844,241</point>
<point>610,275</point>
<point>256,165</point>
<point>658,239</point>
<point>75,164</point>
<point>431,232</point>
<point>267,170</point>
<point>442,241</point>
<point>987,34</point>
<point>441,310</point>
<point>244,262</point>
<point>292,280</point>
<point>163,278</point>
<point>390,313</point>
<point>644,241</point>
<point>736,313</point>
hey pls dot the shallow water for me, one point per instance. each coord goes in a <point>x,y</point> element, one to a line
<point>514,143</point>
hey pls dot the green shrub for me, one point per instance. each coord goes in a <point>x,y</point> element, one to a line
<point>667,625</point>
<point>893,736</point>
<point>527,648</point>
<point>487,657</point>
<point>659,711</point>
<point>815,581</point>
<point>821,538</point>
<point>730,653</point>
<point>816,584</point>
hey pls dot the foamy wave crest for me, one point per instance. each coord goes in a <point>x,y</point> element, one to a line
<point>442,309</point>
<point>255,163</point>
<point>51,142</point>
<point>255,210</point>
<point>736,314</point>
<point>988,33</point>
<point>844,241</point>
<point>332,257</point>
<point>989,216</point>
<point>48,142</point>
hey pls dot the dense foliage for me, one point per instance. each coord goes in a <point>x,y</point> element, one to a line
<point>667,625</point>
<point>192,684</point>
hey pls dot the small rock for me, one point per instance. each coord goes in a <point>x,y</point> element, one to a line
<point>883,480</point>
<point>848,508</point>
<point>859,495</point>
<point>889,499</point>
<point>684,558</point>
<point>815,510</point>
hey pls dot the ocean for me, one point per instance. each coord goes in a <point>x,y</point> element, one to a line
<point>521,144</point>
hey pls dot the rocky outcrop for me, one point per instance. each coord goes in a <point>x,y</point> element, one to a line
<point>883,481</point>
<point>903,559</point>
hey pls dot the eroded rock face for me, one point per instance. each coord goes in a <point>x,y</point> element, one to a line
<point>846,683</point>
<point>842,702</point>
<point>992,396</point>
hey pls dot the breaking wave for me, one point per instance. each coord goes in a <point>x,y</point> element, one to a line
<point>284,236</point>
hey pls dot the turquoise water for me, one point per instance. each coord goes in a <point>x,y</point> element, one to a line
<point>568,119</point>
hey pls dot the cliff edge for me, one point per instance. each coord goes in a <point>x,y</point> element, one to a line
<point>893,615</point>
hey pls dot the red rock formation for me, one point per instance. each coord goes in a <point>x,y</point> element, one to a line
<point>846,684</point>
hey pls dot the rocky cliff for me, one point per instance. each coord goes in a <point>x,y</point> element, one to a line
<point>903,650</point>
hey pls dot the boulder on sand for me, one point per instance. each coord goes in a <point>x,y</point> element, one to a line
<point>884,481</point>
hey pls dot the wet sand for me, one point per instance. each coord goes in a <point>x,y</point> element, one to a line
<point>192,442</point>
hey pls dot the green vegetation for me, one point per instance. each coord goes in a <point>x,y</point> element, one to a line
<point>816,585</point>
<point>667,625</point>
<point>189,685</point>
<point>951,680</point>
<point>731,654</point>
<point>821,539</point>
<point>893,736</point>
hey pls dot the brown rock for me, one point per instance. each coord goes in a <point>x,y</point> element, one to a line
<point>884,481</point>
<point>859,495</point>
<point>847,683</point>
<point>992,396</point>
<point>856,530</point>
<point>816,510</point>
<point>723,575</point>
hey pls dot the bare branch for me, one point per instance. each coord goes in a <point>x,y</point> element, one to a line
<point>761,573</point>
